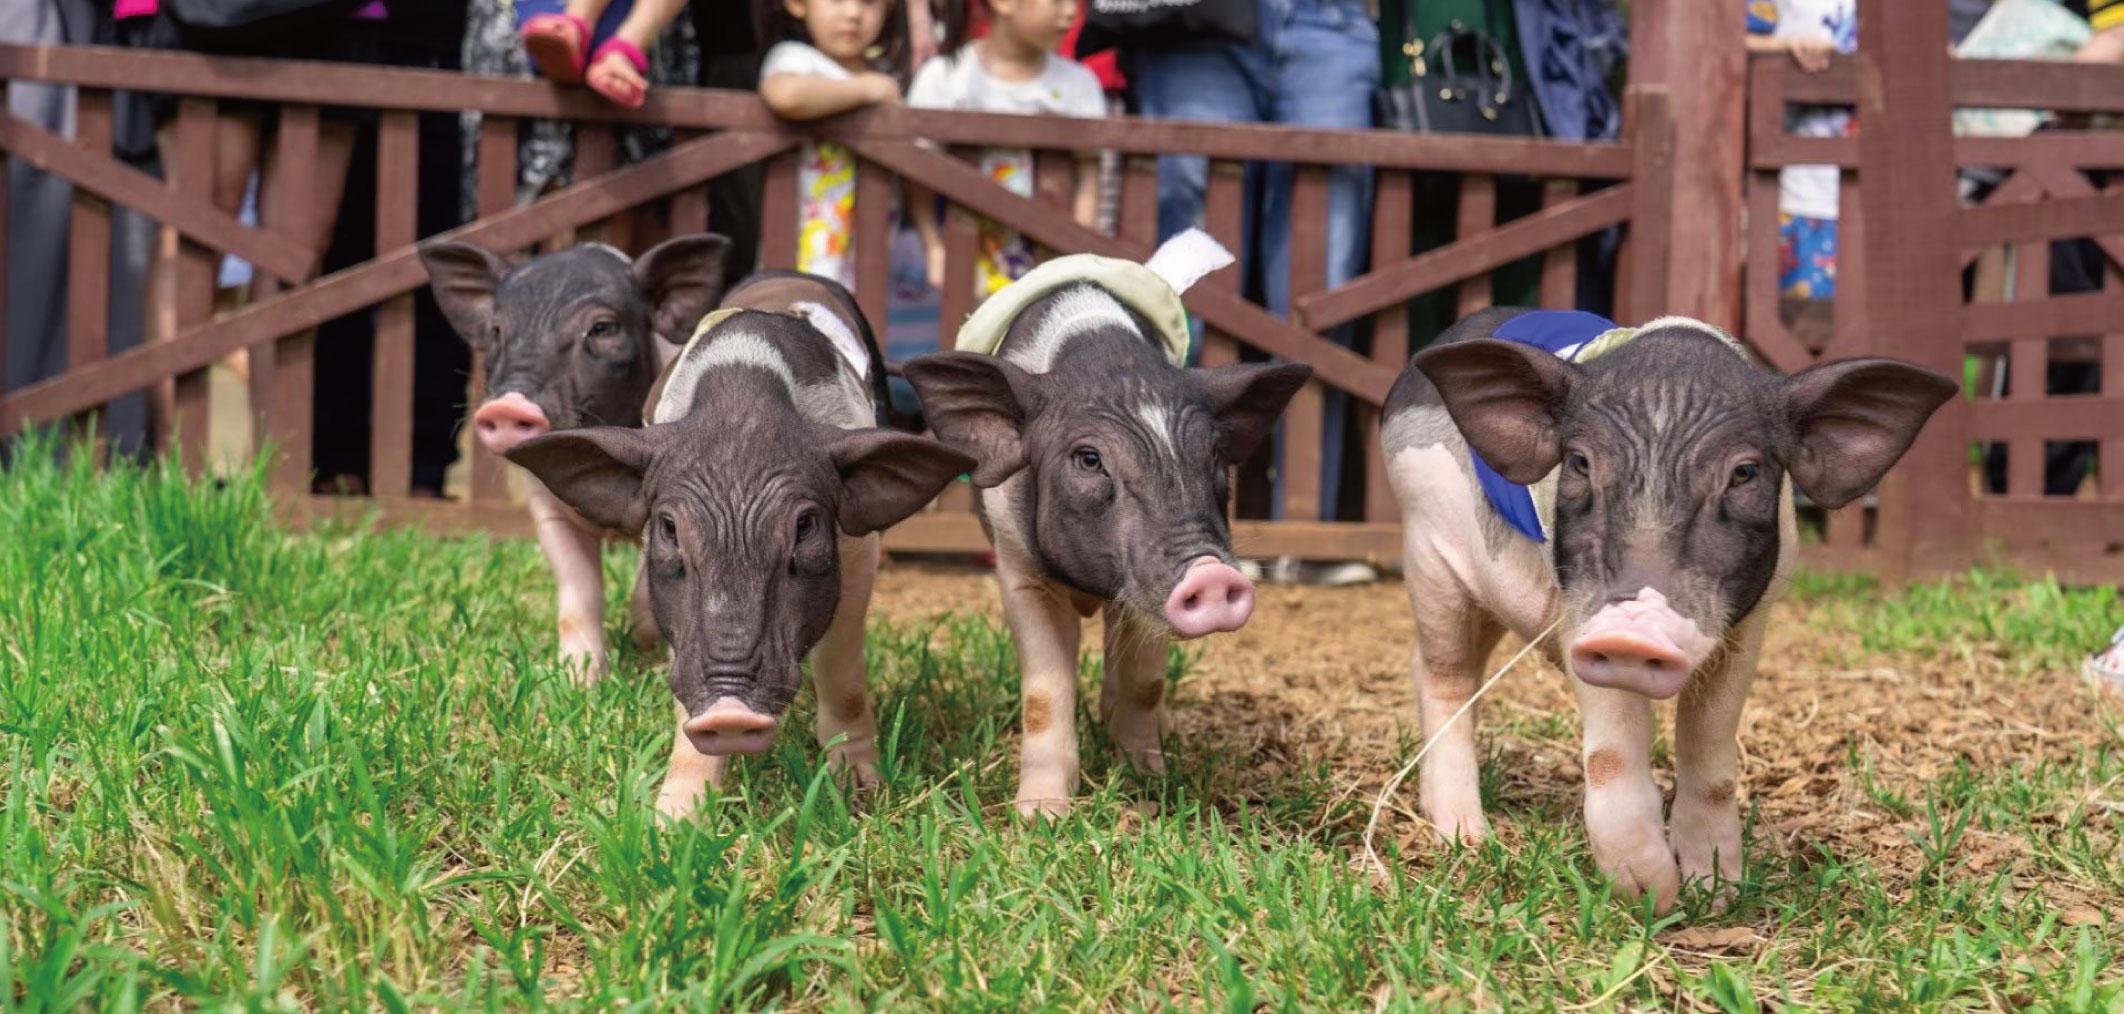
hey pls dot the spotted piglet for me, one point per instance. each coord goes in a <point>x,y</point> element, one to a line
<point>572,338</point>
<point>1104,466</point>
<point>758,488</point>
<point>1640,500</point>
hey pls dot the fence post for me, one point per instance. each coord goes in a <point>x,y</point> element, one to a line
<point>1927,517</point>
<point>1697,51</point>
<point>1644,281</point>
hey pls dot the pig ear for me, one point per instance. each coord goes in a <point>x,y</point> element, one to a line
<point>886,476</point>
<point>597,470</point>
<point>1853,419</point>
<point>464,278</point>
<point>978,404</point>
<point>1506,399</point>
<point>683,278</point>
<point>1246,399</point>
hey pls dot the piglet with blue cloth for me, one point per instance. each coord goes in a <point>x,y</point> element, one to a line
<point>1572,336</point>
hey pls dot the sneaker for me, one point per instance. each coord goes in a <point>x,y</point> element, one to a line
<point>2106,668</point>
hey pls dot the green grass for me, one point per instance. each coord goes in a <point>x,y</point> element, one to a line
<point>244,768</point>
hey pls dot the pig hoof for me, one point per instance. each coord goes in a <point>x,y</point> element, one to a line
<point>1037,809</point>
<point>1150,762</point>
<point>1648,871</point>
<point>1465,829</point>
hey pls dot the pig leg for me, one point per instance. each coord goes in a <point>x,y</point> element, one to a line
<point>691,772</point>
<point>1706,821</point>
<point>572,550</point>
<point>1047,630</point>
<point>639,614</point>
<point>1133,694</point>
<point>1622,804</point>
<point>1453,641</point>
<point>839,673</point>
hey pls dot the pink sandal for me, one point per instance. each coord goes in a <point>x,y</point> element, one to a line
<point>623,95</point>
<point>558,57</point>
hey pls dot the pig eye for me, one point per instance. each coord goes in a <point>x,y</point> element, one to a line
<point>603,328</point>
<point>667,526</point>
<point>1088,460</point>
<point>1744,473</point>
<point>1578,463</point>
<point>806,523</point>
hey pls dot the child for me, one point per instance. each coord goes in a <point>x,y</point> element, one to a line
<point>1811,32</point>
<point>559,38</point>
<point>824,62</point>
<point>1012,69</point>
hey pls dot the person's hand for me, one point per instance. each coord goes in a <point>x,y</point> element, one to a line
<point>1811,52</point>
<point>936,267</point>
<point>879,89</point>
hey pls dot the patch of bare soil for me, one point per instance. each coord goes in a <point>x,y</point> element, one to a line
<point>1321,676</point>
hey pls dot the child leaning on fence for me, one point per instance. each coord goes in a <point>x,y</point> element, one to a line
<point>828,57</point>
<point>1013,69</point>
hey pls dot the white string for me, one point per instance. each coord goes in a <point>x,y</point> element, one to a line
<point>1371,826</point>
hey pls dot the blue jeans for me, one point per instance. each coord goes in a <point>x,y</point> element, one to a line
<point>1314,63</point>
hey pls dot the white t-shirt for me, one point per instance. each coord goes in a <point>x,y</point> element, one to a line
<point>1810,191</point>
<point>825,176</point>
<point>960,81</point>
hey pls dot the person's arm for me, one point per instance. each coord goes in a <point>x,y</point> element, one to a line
<point>1810,52</point>
<point>921,33</point>
<point>814,97</point>
<point>1085,207</point>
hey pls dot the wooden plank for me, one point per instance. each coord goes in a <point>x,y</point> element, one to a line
<point>1139,202</point>
<point>962,247</point>
<point>2039,418</point>
<point>1305,420</point>
<point>397,226</point>
<point>597,153</point>
<point>2055,218</point>
<point>1331,363</point>
<point>1652,207</point>
<point>1850,332</point>
<point>1696,53</point>
<point>1478,215</point>
<point>1559,267</point>
<point>2076,313</point>
<point>1466,257</point>
<point>1393,219</point>
<point>391,273</point>
<point>1913,283</point>
<point>778,214</point>
<point>1224,218</point>
<point>199,221</point>
<point>290,206</point>
<point>497,182</point>
<point>676,106</point>
<point>191,174</point>
<point>88,303</point>
<point>1055,179</point>
<point>873,241</point>
<point>1765,331</point>
<point>2109,464</point>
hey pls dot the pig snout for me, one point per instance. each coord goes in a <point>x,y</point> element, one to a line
<point>1211,598</point>
<point>730,726</point>
<point>509,420</point>
<point>1640,645</point>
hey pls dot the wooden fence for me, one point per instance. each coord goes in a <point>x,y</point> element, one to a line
<point>1586,189</point>
<point>2046,372</point>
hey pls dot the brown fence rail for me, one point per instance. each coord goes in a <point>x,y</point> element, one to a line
<point>1585,189</point>
<point>2038,453</point>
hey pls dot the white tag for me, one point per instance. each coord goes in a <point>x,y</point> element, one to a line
<point>1187,257</point>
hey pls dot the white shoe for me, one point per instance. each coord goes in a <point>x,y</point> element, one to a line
<point>2106,668</point>
<point>1345,574</point>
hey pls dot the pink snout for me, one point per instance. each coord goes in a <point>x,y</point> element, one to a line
<point>1211,598</point>
<point>729,726</point>
<point>1641,645</point>
<point>509,420</point>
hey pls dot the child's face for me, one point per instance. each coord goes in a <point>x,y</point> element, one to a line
<point>1041,24</point>
<point>842,29</point>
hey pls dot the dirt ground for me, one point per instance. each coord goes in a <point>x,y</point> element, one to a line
<point>1321,676</point>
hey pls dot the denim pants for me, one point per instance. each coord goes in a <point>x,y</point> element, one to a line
<point>1313,63</point>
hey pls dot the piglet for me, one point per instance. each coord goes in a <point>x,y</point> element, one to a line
<point>1104,472</point>
<point>1656,534</point>
<point>759,487</point>
<point>573,338</point>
